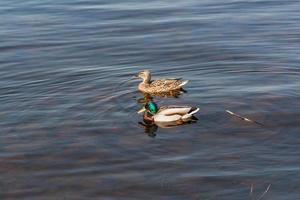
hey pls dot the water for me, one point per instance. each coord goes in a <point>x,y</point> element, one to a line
<point>69,127</point>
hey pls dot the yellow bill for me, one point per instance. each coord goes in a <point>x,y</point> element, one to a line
<point>143,109</point>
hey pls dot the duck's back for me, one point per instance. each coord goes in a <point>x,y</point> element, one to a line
<point>172,110</point>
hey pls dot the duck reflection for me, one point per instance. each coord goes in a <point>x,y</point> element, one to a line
<point>151,127</point>
<point>149,97</point>
<point>145,99</point>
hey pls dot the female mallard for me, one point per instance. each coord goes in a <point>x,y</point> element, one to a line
<point>166,114</point>
<point>160,85</point>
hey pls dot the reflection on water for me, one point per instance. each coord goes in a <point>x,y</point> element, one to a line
<point>151,127</point>
<point>145,99</point>
<point>68,121</point>
<point>150,97</point>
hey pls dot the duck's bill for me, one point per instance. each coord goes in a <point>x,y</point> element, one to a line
<point>143,109</point>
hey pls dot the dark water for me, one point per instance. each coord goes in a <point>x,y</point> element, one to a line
<point>69,127</point>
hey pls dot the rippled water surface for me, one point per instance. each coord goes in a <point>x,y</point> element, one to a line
<point>68,102</point>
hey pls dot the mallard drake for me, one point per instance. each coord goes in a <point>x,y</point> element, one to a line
<point>168,114</point>
<point>160,85</point>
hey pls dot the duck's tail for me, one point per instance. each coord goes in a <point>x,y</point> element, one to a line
<point>183,83</point>
<point>188,116</point>
<point>194,110</point>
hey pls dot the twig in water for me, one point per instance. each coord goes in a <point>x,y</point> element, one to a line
<point>243,118</point>
<point>251,189</point>
<point>265,192</point>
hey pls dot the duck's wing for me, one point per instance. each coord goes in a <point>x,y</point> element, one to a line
<point>166,118</point>
<point>177,110</point>
<point>168,83</point>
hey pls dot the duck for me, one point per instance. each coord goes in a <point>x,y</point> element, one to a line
<point>171,115</point>
<point>160,85</point>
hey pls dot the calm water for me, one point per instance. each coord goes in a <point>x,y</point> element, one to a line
<point>68,121</point>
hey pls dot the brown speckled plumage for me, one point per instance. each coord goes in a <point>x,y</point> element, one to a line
<point>160,85</point>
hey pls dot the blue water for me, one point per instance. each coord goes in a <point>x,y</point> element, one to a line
<point>68,102</point>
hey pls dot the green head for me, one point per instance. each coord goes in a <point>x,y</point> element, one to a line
<point>151,107</point>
